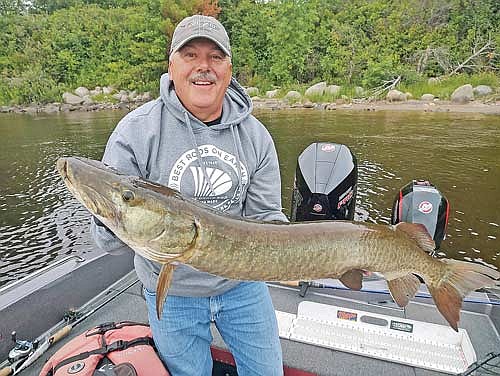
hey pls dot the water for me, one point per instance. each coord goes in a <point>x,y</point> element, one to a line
<point>459,153</point>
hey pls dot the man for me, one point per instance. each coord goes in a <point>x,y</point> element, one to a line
<point>200,138</point>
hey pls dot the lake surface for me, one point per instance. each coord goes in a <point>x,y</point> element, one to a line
<point>41,222</point>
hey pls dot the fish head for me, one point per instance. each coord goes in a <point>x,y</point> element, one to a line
<point>144,215</point>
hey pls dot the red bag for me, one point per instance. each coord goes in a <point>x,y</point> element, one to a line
<point>122,349</point>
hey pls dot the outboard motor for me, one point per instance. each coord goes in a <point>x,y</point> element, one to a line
<point>325,183</point>
<point>421,202</point>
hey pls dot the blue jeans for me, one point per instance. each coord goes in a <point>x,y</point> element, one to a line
<point>244,317</point>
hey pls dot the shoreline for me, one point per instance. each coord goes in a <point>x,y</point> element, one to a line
<point>277,104</point>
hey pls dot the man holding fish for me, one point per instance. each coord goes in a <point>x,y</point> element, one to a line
<point>200,138</point>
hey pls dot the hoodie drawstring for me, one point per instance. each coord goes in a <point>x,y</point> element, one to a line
<point>236,142</point>
<point>198,156</point>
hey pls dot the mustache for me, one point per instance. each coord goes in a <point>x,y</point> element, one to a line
<point>203,76</point>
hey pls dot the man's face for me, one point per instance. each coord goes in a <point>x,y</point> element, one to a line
<point>201,73</point>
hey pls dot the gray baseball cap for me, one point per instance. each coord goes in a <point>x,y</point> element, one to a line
<point>199,26</point>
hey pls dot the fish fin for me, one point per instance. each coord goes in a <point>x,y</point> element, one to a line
<point>164,280</point>
<point>353,279</point>
<point>459,279</point>
<point>418,232</point>
<point>403,288</point>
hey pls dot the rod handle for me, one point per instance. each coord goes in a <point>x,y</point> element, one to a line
<point>60,334</point>
<point>290,283</point>
<point>6,371</point>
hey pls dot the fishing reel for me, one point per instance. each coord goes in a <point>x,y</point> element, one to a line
<point>22,348</point>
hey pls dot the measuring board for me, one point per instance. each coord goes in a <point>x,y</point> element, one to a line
<point>415,343</point>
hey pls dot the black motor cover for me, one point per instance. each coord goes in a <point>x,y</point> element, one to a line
<point>421,202</point>
<point>325,183</point>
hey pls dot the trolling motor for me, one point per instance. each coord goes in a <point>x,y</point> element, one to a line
<point>325,183</point>
<point>421,202</point>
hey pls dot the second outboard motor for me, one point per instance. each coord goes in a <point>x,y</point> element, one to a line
<point>325,183</point>
<point>421,202</point>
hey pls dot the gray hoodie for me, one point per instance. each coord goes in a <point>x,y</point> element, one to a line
<point>231,166</point>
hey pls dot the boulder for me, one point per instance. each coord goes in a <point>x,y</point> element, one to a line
<point>333,90</point>
<point>463,94</point>
<point>317,89</point>
<point>51,108</point>
<point>427,97</point>
<point>395,96</point>
<point>133,95</point>
<point>293,96</point>
<point>70,98</point>
<point>433,81</point>
<point>88,100</point>
<point>272,93</point>
<point>146,96</point>
<point>82,91</point>
<point>359,92</point>
<point>252,91</point>
<point>482,90</point>
<point>106,90</point>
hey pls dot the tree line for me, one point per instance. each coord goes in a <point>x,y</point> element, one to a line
<point>49,46</point>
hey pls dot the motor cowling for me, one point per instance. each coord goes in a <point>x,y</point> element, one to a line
<point>325,183</point>
<point>421,202</point>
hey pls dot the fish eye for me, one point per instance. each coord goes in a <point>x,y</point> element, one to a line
<point>128,196</point>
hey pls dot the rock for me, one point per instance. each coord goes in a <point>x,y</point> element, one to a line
<point>320,106</point>
<point>317,89</point>
<point>82,91</point>
<point>70,98</point>
<point>252,91</point>
<point>331,106</point>
<point>133,96</point>
<point>256,98</point>
<point>463,94</point>
<point>408,95</point>
<point>292,96</point>
<point>272,93</point>
<point>51,108</point>
<point>482,90</point>
<point>433,81</point>
<point>308,104</point>
<point>65,107</point>
<point>395,96</point>
<point>123,97</point>
<point>31,110</point>
<point>359,92</point>
<point>107,90</point>
<point>5,109</point>
<point>333,90</point>
<point>427,97</point>
<point>146,96</point>
<point>87,100</point>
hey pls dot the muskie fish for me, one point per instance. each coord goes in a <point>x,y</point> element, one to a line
<point>160,224</point>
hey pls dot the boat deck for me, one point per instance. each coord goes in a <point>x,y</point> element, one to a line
<point>480,326</point>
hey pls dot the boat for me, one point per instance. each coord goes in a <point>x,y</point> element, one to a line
<point>325,328</point>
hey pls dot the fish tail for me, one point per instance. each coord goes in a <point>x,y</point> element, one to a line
<point>459,279</point>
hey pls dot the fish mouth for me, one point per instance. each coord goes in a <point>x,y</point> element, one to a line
<point>82,181</point>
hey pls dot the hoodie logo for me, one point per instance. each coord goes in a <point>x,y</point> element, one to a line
<point>216,182</point>
<point>221,182</point>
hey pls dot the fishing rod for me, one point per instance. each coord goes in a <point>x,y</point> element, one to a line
<point>72,319</point>
<point>304,286</point>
